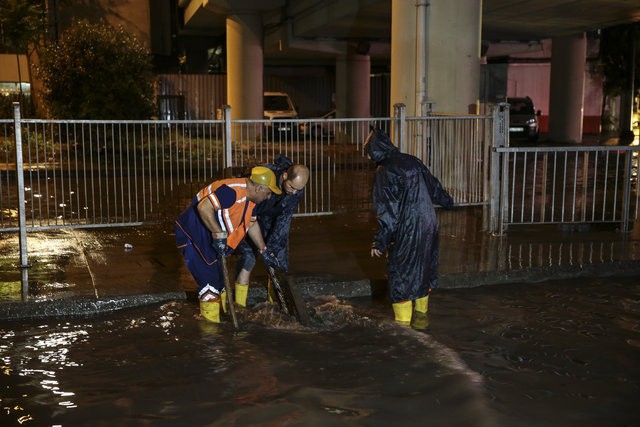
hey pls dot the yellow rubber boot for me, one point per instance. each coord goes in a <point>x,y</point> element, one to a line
<point>422,304</point>
<point>241,294</point>
<point>271,294</point>
<point>402,311</point>
<point>223,300</point>
<point>210,310</point>
<point>420,320</point>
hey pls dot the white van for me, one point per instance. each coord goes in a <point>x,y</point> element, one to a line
<point>277,106</point>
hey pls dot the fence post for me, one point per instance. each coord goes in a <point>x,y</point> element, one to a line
<point>429,107</point>
<point>22,217</point>
<point>227,138</point>
<point>500,127</point>
<point>400,113</point>
<point>626,191</point>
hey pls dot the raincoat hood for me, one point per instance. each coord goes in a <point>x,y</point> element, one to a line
<point>378,146</point>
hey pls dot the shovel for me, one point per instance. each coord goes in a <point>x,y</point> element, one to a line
<point>227,286</point>
<point>288,295</point>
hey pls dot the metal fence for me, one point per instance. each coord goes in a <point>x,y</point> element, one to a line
<point>456,150</point>
<point>81,173</point>
<point>565,185</point>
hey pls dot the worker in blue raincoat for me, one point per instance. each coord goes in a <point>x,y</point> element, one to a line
<point>274,217</point>
<point>404,193</point>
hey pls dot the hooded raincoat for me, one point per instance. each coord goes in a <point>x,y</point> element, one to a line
<point>274,216</point>
<point>403,194</point>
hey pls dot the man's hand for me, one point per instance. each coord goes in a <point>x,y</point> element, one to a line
<point>376,252</point>
<point>219,243</point>
<point>270,259</point>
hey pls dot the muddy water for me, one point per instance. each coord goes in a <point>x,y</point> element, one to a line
<point>550,354</point>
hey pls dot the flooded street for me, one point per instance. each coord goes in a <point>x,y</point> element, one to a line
<point>557,353</point>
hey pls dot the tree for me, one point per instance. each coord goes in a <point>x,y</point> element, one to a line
<point>97,71</point>
<point>616,44</point>
<point>21,25</point>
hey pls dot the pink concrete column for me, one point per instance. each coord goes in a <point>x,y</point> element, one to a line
<point>566,100</point>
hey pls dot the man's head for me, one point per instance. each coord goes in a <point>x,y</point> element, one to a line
<point>378,146</point>
<point>262,184</point>
<point>294,179</point>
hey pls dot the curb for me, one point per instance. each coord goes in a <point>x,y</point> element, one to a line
<point>81,307</point>
<point>538,274</point>
<point>314,286</point>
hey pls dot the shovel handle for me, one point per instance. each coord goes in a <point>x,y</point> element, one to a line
<point>227,286</point>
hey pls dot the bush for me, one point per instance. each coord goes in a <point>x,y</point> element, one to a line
<point>97,71</point>
<point>6,107</point>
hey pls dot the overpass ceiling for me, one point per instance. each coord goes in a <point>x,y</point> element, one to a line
<point>503,20</point>
<point>540,19</point>
<point>345,20</point>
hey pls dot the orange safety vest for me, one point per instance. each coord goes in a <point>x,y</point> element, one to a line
<point>234,212</point>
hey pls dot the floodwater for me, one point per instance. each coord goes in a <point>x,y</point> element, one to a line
<point>557,353</point>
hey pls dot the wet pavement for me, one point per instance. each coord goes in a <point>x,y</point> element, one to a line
<point>560,352</point>
<point>88,271</point>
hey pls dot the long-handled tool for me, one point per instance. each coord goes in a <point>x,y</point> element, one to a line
<point>227,286</point>
<point>288,295</point>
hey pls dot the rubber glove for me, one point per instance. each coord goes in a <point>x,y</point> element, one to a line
<point>269,258</point>
<point>219,243</point>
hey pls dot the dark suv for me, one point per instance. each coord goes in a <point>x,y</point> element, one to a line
<point>523,119</point>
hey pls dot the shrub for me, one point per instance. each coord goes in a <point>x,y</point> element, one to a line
<point>97,71</point>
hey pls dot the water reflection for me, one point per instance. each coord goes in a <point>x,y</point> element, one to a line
<point>517,355</point>
<point>164,364</point>
<point>528,247</point>
<point>33,360</point>
<point>79,263</point>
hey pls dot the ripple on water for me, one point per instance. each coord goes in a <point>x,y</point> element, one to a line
<point>487,354</point>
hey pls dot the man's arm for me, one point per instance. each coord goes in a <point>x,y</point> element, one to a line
<point>387,207</point>
<point>278,234</point>
<point>255,234</point>
<point>208,215</point>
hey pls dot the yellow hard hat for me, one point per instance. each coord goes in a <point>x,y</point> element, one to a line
<point>265,176</point>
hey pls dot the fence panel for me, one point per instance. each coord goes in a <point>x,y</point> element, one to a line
<point>341,176</point>
<point>85,173</point>
<point>559,185</point>
<point>113,173</point>
<point>456,151</point>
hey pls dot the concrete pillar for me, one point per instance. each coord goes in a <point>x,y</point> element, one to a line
<point>443,38</point>
<point>566,100</point>
<point>353,94</point>
<point>245,65</point>
<point>341,87</point>
<point>454,55</point>
<point>403,55</point>
<point>359,85</point>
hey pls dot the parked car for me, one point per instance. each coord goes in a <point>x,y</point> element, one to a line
<point>279,106</point>
<point>319,126</point>
<point>523,118</point>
